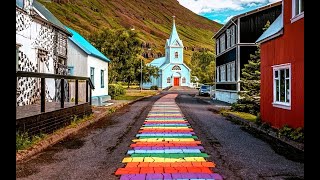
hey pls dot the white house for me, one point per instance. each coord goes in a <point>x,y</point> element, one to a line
<point>41,46</point>
<point>85,60</point>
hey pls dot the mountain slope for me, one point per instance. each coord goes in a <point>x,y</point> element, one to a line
<point>151,18</point>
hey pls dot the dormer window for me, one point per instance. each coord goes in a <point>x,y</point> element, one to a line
<point>176,55</point>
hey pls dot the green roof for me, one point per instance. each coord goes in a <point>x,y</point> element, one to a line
<point>47,14</point>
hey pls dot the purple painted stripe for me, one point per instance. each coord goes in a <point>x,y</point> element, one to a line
<point>214,176</point>
<point>163,148</point>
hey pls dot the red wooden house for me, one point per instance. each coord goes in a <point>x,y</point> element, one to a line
<point>282,68</point>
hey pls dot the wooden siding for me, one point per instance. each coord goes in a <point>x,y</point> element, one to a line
<point>251,25</point>
<point>78,59</point>
<point>288,48</point>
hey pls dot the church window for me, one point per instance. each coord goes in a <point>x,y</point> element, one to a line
<point>183,80</point>
<point>176,54</point>
<point>168,80</point>
<point>176,68</point>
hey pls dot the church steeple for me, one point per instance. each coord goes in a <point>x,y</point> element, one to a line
<point>174,35</point>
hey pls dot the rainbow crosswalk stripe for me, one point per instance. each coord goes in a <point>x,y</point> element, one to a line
<point>166,148</point>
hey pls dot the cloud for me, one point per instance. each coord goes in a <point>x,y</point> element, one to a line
<point>205,6</point>
<point>227,19</point>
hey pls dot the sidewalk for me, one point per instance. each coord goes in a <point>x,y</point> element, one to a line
<point>51,139</point>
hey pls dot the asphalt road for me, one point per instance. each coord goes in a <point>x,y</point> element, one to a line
<point>97,151</point>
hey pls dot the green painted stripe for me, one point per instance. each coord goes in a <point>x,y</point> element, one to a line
<point>147,137</point>
<point>168,155</point>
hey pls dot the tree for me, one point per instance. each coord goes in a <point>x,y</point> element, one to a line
<point>249,100</point>
<point>122,47</point>
<point>203,66</point>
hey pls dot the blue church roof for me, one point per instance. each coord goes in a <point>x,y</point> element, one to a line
<point>174,34</point>
<point>86,46</point>
<point>158,62</point>
<point>274,28</point>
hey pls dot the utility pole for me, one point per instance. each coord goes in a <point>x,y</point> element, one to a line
<point>141,75</point>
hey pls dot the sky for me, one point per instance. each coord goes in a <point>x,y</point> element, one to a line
<point>222,11</point>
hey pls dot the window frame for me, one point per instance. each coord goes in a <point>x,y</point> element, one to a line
<point>296,15</point>
<point>168,80</point>
<point>218,74</point>
<point>92,74</point>
<point>176,55</point>
<point>279,104</point>
<point>102,78</point>
<point>222,43</point>
<point>71,68</point>
<point>184,80</point>
<point>218,46</point>
<point>223,73</point>
<point>232,36</point>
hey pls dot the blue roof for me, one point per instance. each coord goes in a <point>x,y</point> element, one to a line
<point>274,28</point>
<point>158,62</point>
<point>86,46</point>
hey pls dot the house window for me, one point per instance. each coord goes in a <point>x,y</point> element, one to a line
<point>61,46</point>
<point>229,72</point>
<point>176,55</point>
<point>102,78</point>
<point>228,37</point>
<point>168,80</point>
<point>70,70</point>
<point>232,35</point>
<point>282,86</point>
<point>223,73</point>
<point>233,71</point>
<point>218,46</point>
<point>183,80</point>
<point>297,10</point>
<point>222,43</point>
<point>218,74</point>
<point>176,68</point>
<point>92,74</point>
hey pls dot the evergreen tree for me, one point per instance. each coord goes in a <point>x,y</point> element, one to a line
<point>249,100</point>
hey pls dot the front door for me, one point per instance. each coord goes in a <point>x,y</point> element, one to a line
<point>176,81</point>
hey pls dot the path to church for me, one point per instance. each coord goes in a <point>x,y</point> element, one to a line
<point>205,143</point>
<point>166,148</point>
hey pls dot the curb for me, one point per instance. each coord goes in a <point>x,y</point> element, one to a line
<point>298,146</point>
<point>272,134</point>
<point>63,133</point>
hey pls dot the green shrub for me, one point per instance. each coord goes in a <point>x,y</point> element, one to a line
<point>246,105</point>
<point>291,133</point>
<point>116,90</point>
<point>154,88</point>
<point>22,140</point>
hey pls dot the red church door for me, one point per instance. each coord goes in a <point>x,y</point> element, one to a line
<point>176,82</point>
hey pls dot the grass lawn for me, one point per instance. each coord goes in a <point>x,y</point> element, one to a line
<point>243,115</point>
<point>133,94</point>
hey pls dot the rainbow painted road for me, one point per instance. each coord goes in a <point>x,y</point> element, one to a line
<point>166,148</point>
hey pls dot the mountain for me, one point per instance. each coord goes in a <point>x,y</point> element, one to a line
<point>151,18</point>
